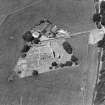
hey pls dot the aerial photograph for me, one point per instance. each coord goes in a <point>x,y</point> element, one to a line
<point>52,52</point>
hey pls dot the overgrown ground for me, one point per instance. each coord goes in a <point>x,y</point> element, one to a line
<point>54,88</point>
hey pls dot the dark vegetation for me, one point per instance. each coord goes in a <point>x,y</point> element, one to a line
<point>102,76</point>
<point>100,87</point>
<point>45,20</point>
<point>25,48</point>
<point>68,63</point>
<point>35,73</point>
<point>27,36</point>
<point>103,20</point>
<point>19,72</point>
<point>74,58</point>
<point>103,57</point>
<point>67,47</point>
<point>102,71</point>
<point>44,31</point>
<point>96,17</point>
<point>50,67</point>
<point>99,18</point>
<point>36,41</point>
<point>100,96</point>
<point>102,8</point>
<point>102,12</point>
<point>23,55</point>
<point>54,64</point>
<point>62,65</point>
<point>48,90</point>
<point>101,43</point>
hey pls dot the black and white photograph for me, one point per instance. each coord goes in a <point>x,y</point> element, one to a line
<point>52,52</point>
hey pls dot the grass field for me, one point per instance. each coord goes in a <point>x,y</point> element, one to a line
<point>8,6</point>
<point>53,88</point>
<point>62,12</point>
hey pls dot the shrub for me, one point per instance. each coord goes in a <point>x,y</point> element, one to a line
<point>25,49</point>
<point>101,43</point>
<point>35,73</point>
<point>36,40</point>
<point>103,19</point>
<point>102,71</point>
<point>28,36</point>
<point>96,17</point>
<point>68,63</point>
<point>102,5</point>
<point>54,64</point>
<point>67,47</point>
<point>62,65</point>
<point>103,57</point>
<point>74,58</point>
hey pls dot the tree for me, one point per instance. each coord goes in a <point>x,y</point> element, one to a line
<point>35,73</point>
<point>25,49</point>
<point>36,40</point>
<point>68,63</point>
<point>28,36</point>
<point>74,58</point>
<point>67,47</point>
<point>96,17</point>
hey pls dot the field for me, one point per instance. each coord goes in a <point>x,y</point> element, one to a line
<point>62,12</point>
<point>60,87</point>
<point>54,88</point>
